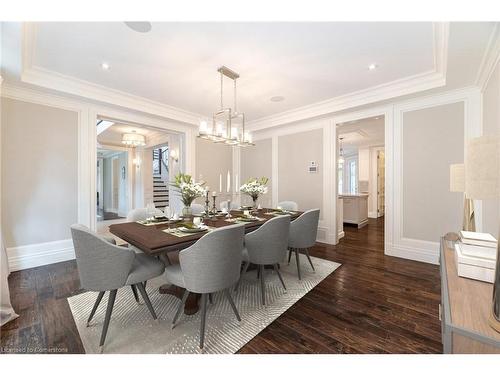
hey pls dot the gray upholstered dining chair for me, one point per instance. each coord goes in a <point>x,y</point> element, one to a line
<point>210,265</point>
<point>141,214</point>
<point>303,232</point>
<point>267,245</point>
<point>289,205</point>
<point>103,267</point>
<point>197,209</point>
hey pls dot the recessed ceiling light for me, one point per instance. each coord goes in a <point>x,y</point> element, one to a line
<point>140,27</point>
<point>376,118</point>
<point>105,66</point>
<point>277,98</point>
<point>372,66</point>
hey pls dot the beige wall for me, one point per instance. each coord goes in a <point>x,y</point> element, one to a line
<point>491,126</point>
<point>433,138</point>
<point>295,183</point>
<point>257,162</point>
<point>39,172</point>
<point>213,159</point>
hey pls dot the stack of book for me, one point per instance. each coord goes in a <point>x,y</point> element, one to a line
<point>475,256</point>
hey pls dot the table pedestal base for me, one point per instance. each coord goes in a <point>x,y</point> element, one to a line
<point>192,303</point>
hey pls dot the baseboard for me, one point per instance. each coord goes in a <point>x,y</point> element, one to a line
<point>29,256</point>
<point>341,235</point>
<point>373,215</point>
<point>420,255</point>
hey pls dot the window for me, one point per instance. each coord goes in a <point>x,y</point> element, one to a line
<point>340,178</point>
<point>352,176</point>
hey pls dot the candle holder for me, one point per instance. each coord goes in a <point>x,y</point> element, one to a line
<point>214,209</point>
<point>229,209</point>
<point>207,206</point>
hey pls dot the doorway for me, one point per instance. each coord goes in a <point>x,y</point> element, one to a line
<point>112,185</point>
<point>360,174</point>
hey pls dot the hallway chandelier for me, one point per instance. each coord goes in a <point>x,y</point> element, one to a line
<point>228,125</point>
<point>341,152</point>
<point>133,139</point>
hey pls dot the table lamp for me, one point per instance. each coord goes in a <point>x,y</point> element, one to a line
<point>457,184</point>
<point>482,181</point>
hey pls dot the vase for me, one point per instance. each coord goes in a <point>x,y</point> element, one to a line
<point>187,212</point>
<point>254,202</point>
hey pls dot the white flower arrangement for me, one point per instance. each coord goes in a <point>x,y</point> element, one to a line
<point>188,188</point>
<point>255,187</point>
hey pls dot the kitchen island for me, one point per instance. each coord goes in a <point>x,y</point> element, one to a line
<point>355,208</point>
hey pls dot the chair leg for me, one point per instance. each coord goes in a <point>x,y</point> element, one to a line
<point>136,296</point>
<point>210,298</point>
<point>96,305</point>
<point>309,259</point>
<point>276,268</point>
<point>181,306</point>
<point>145,283</point>
<point>258,273</point>
<point>109,310</point>
<point>289,255</point>
<point>231,302</point>
<point>145,297</point>
<point>245,268</point>
<point>297,259</point>
<point>203,319</point>
<point>262,285</point>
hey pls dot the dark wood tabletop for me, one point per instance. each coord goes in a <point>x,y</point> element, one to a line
<point>152,239</point>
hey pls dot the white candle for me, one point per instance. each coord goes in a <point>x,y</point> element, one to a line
<point>220,182</point>
<point>228,181</point>
<point>214,194</point>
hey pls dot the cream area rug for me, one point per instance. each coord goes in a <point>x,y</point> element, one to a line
<point>133,330</point>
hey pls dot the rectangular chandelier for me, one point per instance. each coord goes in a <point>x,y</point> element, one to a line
<point>228,125</point>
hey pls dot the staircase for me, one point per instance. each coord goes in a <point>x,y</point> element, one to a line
<point>160,192</point>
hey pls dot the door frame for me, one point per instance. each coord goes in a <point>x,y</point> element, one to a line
<point>88,150</point>
<point>387,112</point>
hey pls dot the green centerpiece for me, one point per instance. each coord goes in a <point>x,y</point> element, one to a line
<point>254,188</point>
<point>189,191</point>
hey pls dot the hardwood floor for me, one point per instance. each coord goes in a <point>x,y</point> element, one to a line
<point>371,304</point>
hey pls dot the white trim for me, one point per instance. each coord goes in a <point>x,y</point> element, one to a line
<point>396,243</point>
<point>372,214</point>
<point>414,253</point>
<point>36,75</point>
<point>87,138</point>
<point>490,59</point>
<point>40,254</point>
<point>387,112</point>
<point>433,78</point>
<point>404,86</point>
<point>341,234</point>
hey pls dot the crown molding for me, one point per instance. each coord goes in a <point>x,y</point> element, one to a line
<point>420,82</point>
<point>404,86</point>
<point>38,76</point>
<point>490,59</point>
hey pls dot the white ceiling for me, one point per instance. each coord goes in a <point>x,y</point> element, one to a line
<point>113,135</point>
<point>176,63</point>
<point>361,133</point>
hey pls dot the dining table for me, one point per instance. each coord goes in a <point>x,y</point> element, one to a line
<point>164,238</point>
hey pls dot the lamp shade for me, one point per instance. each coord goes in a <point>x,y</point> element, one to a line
<point>457,178</point>
<point>133,139</point>
<point>482,168</point>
